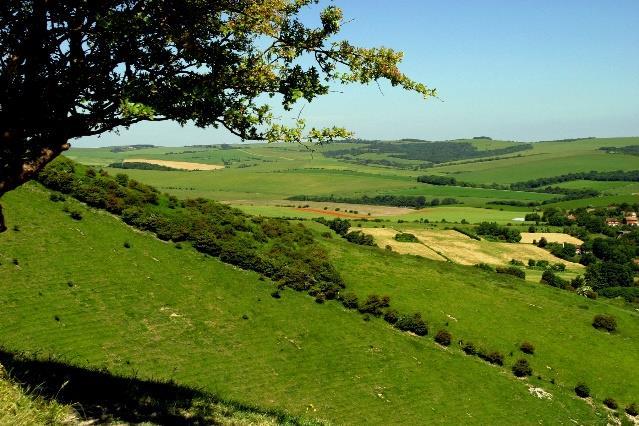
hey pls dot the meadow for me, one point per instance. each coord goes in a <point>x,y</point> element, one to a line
<point>157,311</point>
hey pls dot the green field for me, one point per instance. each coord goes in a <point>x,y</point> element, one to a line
<point>167,313</point>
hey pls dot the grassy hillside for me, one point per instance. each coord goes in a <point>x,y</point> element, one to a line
<point>71,289</point>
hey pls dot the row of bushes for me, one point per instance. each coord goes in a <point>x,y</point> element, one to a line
<point>466,233</point>
<point>281,250</point>
<point>416,201</point>
<point>503,233</point>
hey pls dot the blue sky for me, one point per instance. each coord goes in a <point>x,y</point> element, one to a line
<point>509,69</point>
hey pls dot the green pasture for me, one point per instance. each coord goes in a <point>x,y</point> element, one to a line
<point>499,313</point>
<point>76,293</point>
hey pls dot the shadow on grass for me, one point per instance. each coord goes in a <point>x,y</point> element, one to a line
<point>104,398</point>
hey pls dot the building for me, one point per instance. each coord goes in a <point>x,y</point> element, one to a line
<point>611,221</point>
<point>631,219</point>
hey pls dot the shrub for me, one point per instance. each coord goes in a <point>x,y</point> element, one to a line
<point>320,298</point>
<point>349,300</point>
<point>604,322</point>
<point>469,348</point>
<point>527,348</point>
<point>521,368</point>
<point>516,262</point>
<point>443,337</point>
<point>403,237</point>
<point>511,270</point>
<point>582,390</point>
<point>127,244</point>
<point>391,316</point>
<point>327,234</point>
<point>611,403</point>
<point>75,215</point>
<point>413,323</point>
<point>493,357</point>
<point>358,237</point>
<point>374,304</point>
<point>485,267</point>
<point>632,410</point>
<point>276,295</point>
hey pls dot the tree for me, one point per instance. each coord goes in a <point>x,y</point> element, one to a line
<point>76,68</point>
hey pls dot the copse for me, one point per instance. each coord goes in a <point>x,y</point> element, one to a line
<point>70,69</point>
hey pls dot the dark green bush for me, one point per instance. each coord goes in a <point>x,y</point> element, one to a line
<point>349,300</point>
<point>469,348</point>
<point>611,403</point>
<point>521,368</point>
<point>443,337</point>
<point>75,215</point>
<point>127,244</point>
<point>403,237</point>
<point>511,270</point>
<point>276,295</point>
<point>413,323</point>
<point>485,267</point>
<point>374,305</point>
<point>493,357</point>
<point>582,390</point>
<point>358,237</point>
<point>391,316</point>
<point>632,410</point>
<point>604,322</point>
<point>527,348</point>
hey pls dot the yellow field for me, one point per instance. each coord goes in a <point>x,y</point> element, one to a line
<point>463,250</point>
<point>551,237</point>
<point>182,165</point>
<point>386,236</point>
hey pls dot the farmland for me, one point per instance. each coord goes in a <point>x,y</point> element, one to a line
<point>319,361</point>
<point>164,311</point>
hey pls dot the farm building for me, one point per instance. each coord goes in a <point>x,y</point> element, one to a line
<point>611,221</point>
<point>631,219</point>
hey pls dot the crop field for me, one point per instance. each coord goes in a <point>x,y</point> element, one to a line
<point>551,237</point>
<point>458,248</point>
<point>75,292</point>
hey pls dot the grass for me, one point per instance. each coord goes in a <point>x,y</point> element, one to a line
<point>157,313</point>
<point>21,408</point>
<point>499,313</point>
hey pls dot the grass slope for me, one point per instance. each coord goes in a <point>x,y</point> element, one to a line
<point>159,312</point>
<point>500,312</point>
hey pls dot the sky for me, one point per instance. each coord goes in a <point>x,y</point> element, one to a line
<point>510,69</point>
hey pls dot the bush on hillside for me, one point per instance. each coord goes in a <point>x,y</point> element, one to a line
<point>511,270</point>
<point>604,322</point>
<point>404,237</point>
<point>527,348</point>
<point>611,403</point>
<point>521,368</point>
<point>349,300</point>
<point>485,267</point>
<point>493,357</point>
<point>374,305</point>
<point>632,410</point>
<point>413,323</point>
<point>469,348</point>
<point>358,237</point>
<point>443,337</point>
<point>582,390</point>
<point>391,316</point>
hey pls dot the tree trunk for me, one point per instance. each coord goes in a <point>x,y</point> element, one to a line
<point>22,160</point>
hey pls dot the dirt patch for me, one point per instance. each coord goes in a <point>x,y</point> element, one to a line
<point>332,213</point>
<point>182,165</point>
<point>551,237</point>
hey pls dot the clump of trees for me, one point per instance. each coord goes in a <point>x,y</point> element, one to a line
<point>443,337</point>
<point>404,237</point>
<point>494,231</point>
<point>511,270</point>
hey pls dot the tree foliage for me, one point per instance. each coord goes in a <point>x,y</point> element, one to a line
<point>76,68</point>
